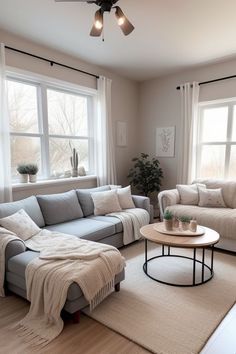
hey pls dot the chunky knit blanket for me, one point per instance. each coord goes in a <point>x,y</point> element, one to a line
<point>132,221</point>
<point>5,238</point>
<point>64,259</point>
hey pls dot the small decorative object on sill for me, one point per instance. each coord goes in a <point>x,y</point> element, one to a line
<point>74,163</point>
<point>32,171</point>
<point>193,225</point>
<point>67,174</point>
<point>184,222</point>
<point>23,171</point>
<point>82,171</point>
<point>168,220</point>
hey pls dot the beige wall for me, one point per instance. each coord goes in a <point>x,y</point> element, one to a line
<point>124,91</point>
<point>160,106</point>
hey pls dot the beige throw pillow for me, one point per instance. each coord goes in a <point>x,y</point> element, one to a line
<point>125,198</point>
<point>211,198</point>
<point>105,202</point>
<point>21,224</point>
<point>189,193</point>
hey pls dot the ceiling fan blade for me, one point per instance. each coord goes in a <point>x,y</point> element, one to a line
<point>125,25</point>
<point>75,1</point>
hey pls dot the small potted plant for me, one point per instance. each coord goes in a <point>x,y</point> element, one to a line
<point>184,222</point>
<point>74,160</point>
<point>23,171</point>
<point>32,171</point>
<point>168,220</point>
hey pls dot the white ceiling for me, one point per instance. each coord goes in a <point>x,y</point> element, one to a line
<point>169,35</point>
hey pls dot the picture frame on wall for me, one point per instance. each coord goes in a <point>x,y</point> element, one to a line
<point>165,142</point>
<point>121,134</point>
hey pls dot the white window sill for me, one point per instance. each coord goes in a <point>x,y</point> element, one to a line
<point>52,182</point>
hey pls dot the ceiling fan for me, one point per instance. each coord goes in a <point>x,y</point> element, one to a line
<point>106,6</point>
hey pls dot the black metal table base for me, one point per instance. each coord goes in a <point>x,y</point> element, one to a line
<point>194,259</point>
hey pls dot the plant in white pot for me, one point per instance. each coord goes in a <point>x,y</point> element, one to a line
<point>23,172</point>
<point>184,222</point>
<point>32,171</point>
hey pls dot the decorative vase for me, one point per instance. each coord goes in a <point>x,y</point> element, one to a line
<point>184,226</point>
<point>74,172</point>
<point>175,223</point>
<point>168,225</point>
<point>193,225</point>
<point>82,171</point>
<point>32,178</point>
<point>24,178</point>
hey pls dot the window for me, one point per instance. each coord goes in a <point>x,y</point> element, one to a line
<point>216,155</point>
<point>46,123</point>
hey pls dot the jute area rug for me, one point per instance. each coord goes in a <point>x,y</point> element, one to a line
<point>166,319</point>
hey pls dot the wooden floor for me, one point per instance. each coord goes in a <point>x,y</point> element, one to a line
<point>87,337</point>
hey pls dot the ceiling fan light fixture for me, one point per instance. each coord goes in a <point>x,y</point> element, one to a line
<point>98,24</point>
<point>123,21</point>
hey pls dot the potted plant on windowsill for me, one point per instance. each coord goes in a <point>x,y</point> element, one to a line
<point>23,172</point>
<point>146,176</point>
<point>32,171</point>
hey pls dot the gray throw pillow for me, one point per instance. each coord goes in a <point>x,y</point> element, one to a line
<point>29,205</point>
<point>85,198</point>
<point>61,207</point>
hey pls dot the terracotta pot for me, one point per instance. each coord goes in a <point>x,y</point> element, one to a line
<point>168,225</point>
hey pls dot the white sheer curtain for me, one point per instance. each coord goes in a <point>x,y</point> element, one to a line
<point>189,130</point>
<point>5,158</point>
<point>105,166</point>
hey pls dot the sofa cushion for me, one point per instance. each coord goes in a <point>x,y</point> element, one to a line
<point>16,273</point>
<point>85,198</point>
<point>88,229</point>
<point>125,198</point>
<point>109,219</point>
<point>211,198</point>
<point>61,207</point>
<point>222,220</point>
<point>188,193</point>
<point>21,224</point>
<point>228,189</point>
<point>105,202</point>
<point>30,205</point>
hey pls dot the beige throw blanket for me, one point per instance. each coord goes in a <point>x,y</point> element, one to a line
<point>5,237</point>
<point>132,221</point>
<point>64,259</point>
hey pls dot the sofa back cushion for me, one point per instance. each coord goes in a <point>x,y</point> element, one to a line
<point>228,189</point>
<point>85,198</point>
<point>30,205</point>
<point>61,207</point>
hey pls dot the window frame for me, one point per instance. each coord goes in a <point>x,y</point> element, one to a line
<point>229,103</point>
<point>43,83</point>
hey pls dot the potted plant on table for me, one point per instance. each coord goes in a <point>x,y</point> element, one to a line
<point>168,220</point>
<point>32,171</point>
<point>23,171</point>
<point>146,176</point>
<point>184,222</point>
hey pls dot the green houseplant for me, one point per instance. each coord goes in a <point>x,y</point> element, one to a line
<point>146,174</point>
<point>168,220</point>
<point>23,171</point>
<point>184,222</point>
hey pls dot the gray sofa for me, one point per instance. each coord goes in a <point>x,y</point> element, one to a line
<point>71,213</point>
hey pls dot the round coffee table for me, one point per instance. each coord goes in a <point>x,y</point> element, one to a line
<point>208,240</point>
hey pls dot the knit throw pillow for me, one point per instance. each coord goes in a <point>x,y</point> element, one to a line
<point>21,224</point>
<point>105,202</point>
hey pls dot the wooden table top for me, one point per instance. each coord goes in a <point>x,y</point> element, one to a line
<point>210,237</point>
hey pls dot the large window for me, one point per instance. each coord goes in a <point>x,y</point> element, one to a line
<point>217,140</point>
<point>46,123</point>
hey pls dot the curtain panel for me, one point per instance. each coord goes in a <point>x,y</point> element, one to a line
<point>105,166</point>
<point>5,156</point>
<point>189,130</point>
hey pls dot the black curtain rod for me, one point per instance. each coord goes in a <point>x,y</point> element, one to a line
<point>215,80</point>
<point>52,62</point>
